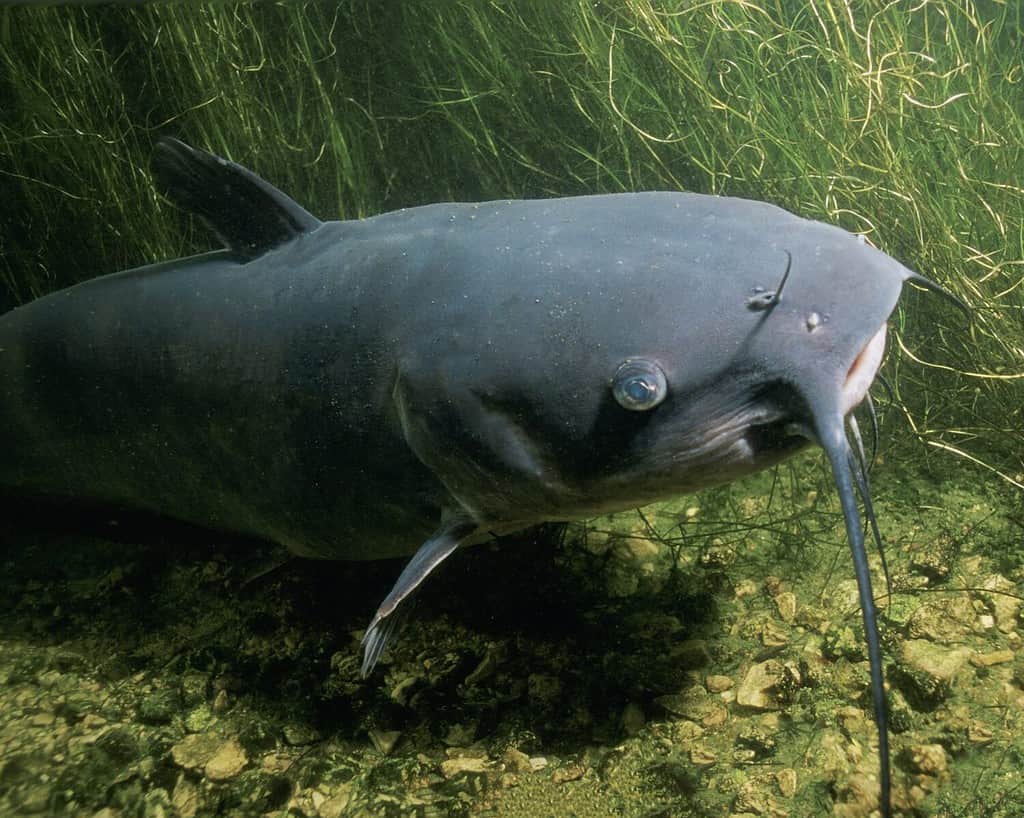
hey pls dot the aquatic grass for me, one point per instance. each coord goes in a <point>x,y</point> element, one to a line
<point>900,121</point>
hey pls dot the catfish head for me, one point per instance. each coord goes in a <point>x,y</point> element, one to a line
<point>678,341</point>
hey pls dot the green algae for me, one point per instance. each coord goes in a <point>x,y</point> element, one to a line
<point>522,685</point>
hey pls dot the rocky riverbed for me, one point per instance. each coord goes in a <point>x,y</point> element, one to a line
<point>703,659</point>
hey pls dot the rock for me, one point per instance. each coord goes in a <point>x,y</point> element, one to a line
<point>457,766</point>
<point>31,800</point>
<point>195,750</point>
<point>570,772</point>
<point>928,759</point>
<point>384,741</point>
<point>221,701</point>
<point>119,745</point>
<point>702,756</point>
<point>785,604</point>
<point>773,635</point>
<point>995,657</point>
<point>185,798</point>
<point>195,687</point>
<point>926,671</point>
<point>337,805</point>
<point>786,781</point>
<point>745,588</point>
<point>461,734</point>
<point>946,619</point>
<point>754,799</point>
<point>718,684</point>
<point>758,689</point>
<point>158,707</point>
<point>693,703</point>
<point>297,734</point>
<point>1004,603</point>
<point>633,719</point>
<point>200,719</point>
<point>516,761</point>
<point>229,760</point>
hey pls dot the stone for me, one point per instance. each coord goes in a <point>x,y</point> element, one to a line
<point>785,604</point>
<point>194,688</point>
<point>229,760</point>
<point>185,798</point>
<point>786,781</point>
<point>718,684</point>
<point>633,720</point>
<point>947,619</point>
<point>297,734</point>
<point>457,766</point>
<point>384,741</point>
<point>570,772</point>
<point>995,657</point>
<point>926,671</point>
<point>758,690</point>
<point>516,761</point>
<point>158,707</point>
<point>928,759</point>
<point>195,750</point>
<point>1004,602</point>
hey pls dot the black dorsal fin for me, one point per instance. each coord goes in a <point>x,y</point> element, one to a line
<point>248,214</point>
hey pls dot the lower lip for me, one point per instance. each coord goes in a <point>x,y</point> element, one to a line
<point>863,371</point>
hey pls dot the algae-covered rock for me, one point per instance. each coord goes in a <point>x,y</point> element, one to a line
<point>926,672</point>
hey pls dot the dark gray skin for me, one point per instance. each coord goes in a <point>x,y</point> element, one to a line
<point>358,390</point>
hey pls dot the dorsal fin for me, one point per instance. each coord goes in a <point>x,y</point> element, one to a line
<point>247,214</point>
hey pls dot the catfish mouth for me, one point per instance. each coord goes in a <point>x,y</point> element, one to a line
<point>862,372</point>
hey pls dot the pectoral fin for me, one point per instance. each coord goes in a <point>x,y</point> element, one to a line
<point>453,532</point>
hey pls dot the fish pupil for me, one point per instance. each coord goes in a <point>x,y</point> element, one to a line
<point>639,390</point>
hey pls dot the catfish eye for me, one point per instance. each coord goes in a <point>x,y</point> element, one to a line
<point>639,385</point>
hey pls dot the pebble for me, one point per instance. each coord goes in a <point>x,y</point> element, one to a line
<point>195,750</point>
<point>516,761</point>
<point>384,741</point>
<point>946,620</point>
<point>718,684</point>
<point>757,690</point>
<point>786,780</point>
<point>456,766</point>
<point>633,719</point>
<point>229,760</point>
<point>930,669</point>
<point>299,735</point>
<point>570,772</point>
<point>995,657</point>
<point>221,702</point>
<point>1005,602</point>
<point>928,759</point>
<point>702,757</point>
<point>785,604</point>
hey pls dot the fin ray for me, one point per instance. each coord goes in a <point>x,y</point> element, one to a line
<point>432,553</point>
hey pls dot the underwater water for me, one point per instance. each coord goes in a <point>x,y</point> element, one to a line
<point>701,657</point>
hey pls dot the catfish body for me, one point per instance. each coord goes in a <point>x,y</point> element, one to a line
<point>410,382</point>
<point>262,395</point>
